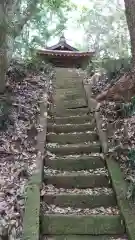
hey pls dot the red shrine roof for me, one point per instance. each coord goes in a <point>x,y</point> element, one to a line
<point>62,49</point>
<point>62,45</point>
<point>64,53</point>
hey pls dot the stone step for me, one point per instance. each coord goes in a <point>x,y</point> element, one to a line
<point>83,237</point>
<point>71,120</point>
<point>67,82</point>
<point>69,85</point>
<point>69,75</point>
<point>75,149</point>
<point>71,103</point>
<point>70,91</point>
<point>81,225</point>
<point>60,112</point>
<point>70,97</point>
<point>70,138</point>
<point>80,200</point>
<point>77,180</point>
<point>70,80</point>
<point>69,128</point>
<point>75,163</point>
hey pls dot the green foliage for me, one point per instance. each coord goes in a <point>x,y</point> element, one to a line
<point>131,191</point>
<point>105,28</point>
<point>5,119</point>
<point>129,108</point>
<point>131,159</point>
<point>37,64</point>
<point>48,21</point>
<point>113,68</point>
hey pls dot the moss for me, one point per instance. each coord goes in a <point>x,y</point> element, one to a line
<point>120,188</point>
<point>81,200</point>
<point>75,149</point>
<point>95,225</point>
<point>76,164</point>
<point>81,237</point>
<point>31,216</point>
<point>77,181</point>
<point>31,221</point>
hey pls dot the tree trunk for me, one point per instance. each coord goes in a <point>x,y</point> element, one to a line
<point>130,16</point>
<point>8,32</point>
<point>3,47</point>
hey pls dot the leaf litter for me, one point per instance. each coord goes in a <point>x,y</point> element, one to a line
<point>18,146</point>
<point>53,209</point>
<point>51,189</point>
<point>119,123</point>
<point>98,171</point>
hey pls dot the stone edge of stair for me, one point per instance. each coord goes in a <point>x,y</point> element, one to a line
<point>75,149</point>
<point>120,187</point>
<point>72,119</point>
<point>119,184</point>
<point>71,138</point>
<point>77,180</point>
<point>78,163</point>
<point>81,225</point>
<point>61,128</point>
<point>31,221</point>
<point>80,200</point>
<point>82,237</point>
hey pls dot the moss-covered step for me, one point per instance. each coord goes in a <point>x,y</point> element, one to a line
<point>70,96</point>
<point>77,180</point>
<point>70,89</point>
<point>126,207</point>
<point>69,92</point>
<point>72,103</point>
<point>70,112</point>
<point>70,128</point>
<point>71,224</point>
<point>75,149</point>
<point>72,138</point>
<point>72,120</point>
<point>68,84</point>
<point>81,200</point>
<point>76,164</point>
<point>83,237</point>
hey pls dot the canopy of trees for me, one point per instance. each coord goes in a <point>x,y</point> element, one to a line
<point>28,24</point>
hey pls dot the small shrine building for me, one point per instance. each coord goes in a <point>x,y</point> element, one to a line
<point>64,55</point>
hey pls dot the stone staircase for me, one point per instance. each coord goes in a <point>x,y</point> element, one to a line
<point>78,201</point>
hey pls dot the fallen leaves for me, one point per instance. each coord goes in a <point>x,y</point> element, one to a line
<point>53,209</point>
<point>50,189</point>
<point>18,146</point>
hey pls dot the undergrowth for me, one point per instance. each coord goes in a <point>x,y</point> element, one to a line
<point>129,111</point>
<point>5,118</point>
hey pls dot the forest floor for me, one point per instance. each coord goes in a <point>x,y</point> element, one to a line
<point>18,131</point>
<point>19,111</point>
<point>120,130</point>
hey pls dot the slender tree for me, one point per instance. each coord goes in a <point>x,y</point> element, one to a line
<point>130,16</point>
